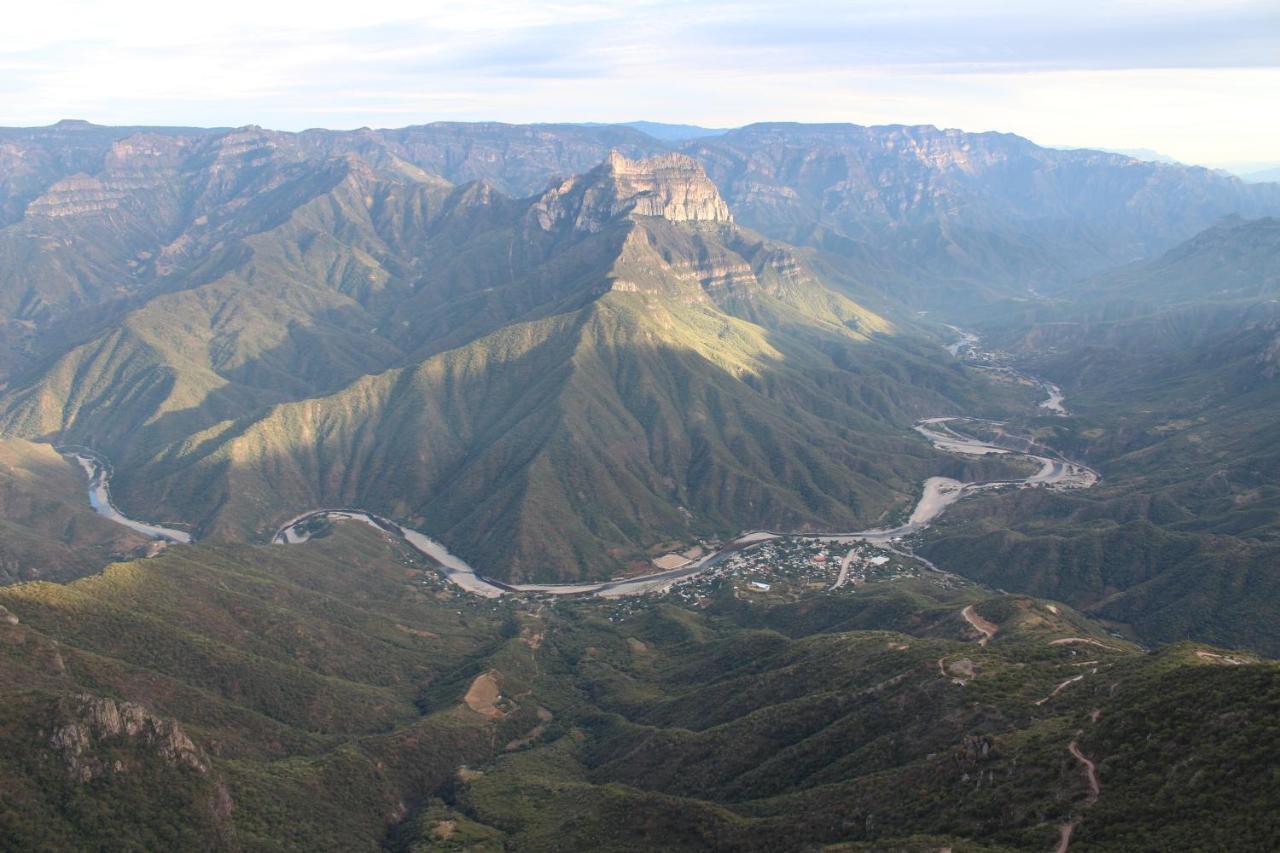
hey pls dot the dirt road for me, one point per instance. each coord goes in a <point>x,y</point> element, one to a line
<point>1095,791</point>
<point>987,629</point>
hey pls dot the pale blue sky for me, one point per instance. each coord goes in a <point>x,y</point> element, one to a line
<point>1197,79</point>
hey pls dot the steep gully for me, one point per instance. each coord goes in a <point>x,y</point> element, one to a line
<point>938,494</point>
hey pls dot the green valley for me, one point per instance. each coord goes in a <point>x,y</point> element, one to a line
<point>635,486</point>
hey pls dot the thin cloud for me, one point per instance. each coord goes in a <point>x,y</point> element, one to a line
<point>1191,78</point>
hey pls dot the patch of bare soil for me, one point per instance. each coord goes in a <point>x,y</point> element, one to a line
<point>958,671</point>
<point>1221,660</point>
<point>417,632</point>
<point>483,695</point>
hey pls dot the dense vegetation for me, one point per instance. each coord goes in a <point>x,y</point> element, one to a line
<point>296,673</point>
<point>333,696</point>
<point>559,377</point>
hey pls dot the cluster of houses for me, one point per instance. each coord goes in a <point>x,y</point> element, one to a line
<point>789,567</point>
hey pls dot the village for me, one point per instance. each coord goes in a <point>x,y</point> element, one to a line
<point>785,569</point>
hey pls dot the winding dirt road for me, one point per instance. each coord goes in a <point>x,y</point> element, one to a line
<point>987,629</point>
<point>1066,830</point>
<point>1063,641</point>
<point>1091,772</point>
<point>1056,690</point>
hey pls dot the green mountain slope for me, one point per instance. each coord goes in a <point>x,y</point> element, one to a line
<point>233,699</point>
<point>337,696</point>
<point>47,529</point>
<point>711,734</point>
<point>701,381</point>
<point>1171,370</point>
<point>252,324</point>
<point>573,378</point>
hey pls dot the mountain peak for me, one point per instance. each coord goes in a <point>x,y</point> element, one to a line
<point>671,186</point>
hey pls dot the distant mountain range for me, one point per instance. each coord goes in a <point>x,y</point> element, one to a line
<point>553,346</point>
<point>1270,175</point>
<point>925,211</point>
<point>667,132</point>
<point>1143,154</point>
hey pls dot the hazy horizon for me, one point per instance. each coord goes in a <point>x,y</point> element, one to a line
<point>1186,79</point>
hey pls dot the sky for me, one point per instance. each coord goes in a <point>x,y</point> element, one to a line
<point>1198,80</point>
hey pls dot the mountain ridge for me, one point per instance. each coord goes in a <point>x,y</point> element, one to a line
<point>279,273</point>
<point>658,363</point>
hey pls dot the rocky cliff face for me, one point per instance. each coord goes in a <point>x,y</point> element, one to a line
<point>670,186</point>
<point>90,727</point>
<point>76,196</point>
<point>947,206</point>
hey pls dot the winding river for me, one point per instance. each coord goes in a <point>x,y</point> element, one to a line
<point>99,474</point>
<point>937,494</point>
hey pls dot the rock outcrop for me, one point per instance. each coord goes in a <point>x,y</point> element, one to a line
<point>670,186</point>
<point>90,726</point>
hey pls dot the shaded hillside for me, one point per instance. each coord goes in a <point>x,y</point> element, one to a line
<point>1236,260</point>
<point>47,529</point>
<point>965,213</point>
<point>233,699</point>
<point>677,376</point>
<point>1171,369</point>
<point>709,730</point>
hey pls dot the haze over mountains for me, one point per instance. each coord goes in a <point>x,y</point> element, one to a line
<point>550,373</point>
<point>949,190</point>
<point>1172,364</point>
